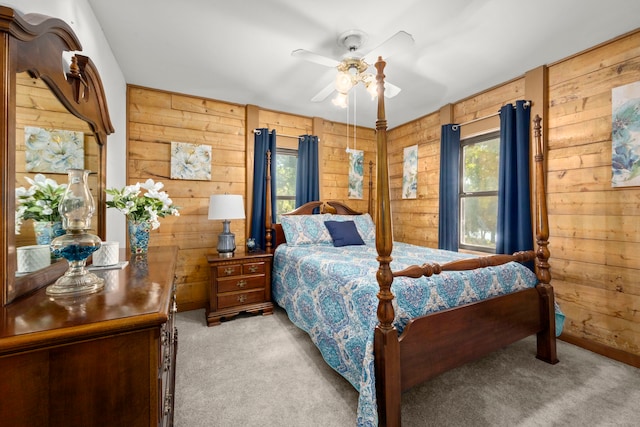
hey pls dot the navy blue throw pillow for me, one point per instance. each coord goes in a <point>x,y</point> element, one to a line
<point>344,233</point>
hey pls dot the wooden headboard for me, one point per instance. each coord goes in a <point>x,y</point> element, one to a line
<point>317,207</point>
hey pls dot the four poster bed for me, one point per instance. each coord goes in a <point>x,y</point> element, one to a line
<point>438,315</point>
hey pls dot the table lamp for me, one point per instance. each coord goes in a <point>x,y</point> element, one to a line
<point>226,207</point>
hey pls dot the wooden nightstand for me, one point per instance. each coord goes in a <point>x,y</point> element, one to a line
<point>238,284</point>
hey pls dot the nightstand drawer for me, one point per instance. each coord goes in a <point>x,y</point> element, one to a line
<point>240,298</point>
<point>229,270</point>
<point>253,268</point>
<point>240,283</point>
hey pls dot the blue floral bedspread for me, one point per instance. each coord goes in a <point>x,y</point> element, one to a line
<point>330,292</point>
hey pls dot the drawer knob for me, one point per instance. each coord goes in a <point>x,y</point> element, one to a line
<point>253,268</point>
<point>241,283</point>
<point>228,271</point>
<point>242,298</point>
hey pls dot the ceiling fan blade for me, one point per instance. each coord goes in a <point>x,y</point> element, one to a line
<point>324,93</point>
<point>315,58</point>
<point>396,43</point>
<point>390,90</point>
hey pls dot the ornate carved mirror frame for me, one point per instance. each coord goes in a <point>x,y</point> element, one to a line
<point>35,43</point>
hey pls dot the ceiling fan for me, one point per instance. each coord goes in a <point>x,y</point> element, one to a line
<point>352,67</point>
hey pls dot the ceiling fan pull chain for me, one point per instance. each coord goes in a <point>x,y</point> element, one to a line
<point>355,111</point>
<point>348,124</point>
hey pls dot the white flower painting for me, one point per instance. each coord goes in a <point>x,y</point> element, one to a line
<point>53,150</point>
<point>190,161</point>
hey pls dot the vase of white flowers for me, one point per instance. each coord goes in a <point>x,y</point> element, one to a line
<point>39,203</point>
<point>143,204</point>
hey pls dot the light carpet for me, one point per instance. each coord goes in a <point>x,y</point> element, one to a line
<point>264,371</point>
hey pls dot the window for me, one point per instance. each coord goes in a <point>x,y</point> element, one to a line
<point>286,167</point>
<point>479,165</point>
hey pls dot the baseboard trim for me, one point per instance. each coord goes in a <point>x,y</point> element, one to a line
<point>611,353</point>
<point>193,305</point>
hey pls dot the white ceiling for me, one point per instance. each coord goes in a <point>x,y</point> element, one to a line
<point>240,51</point>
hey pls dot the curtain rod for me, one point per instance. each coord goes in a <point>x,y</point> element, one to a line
<point>258,132</point>
<point>526,104</point>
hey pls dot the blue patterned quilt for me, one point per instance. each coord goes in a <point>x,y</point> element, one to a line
<point>330,292</point>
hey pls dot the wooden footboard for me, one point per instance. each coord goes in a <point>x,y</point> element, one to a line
<point>433,344</point>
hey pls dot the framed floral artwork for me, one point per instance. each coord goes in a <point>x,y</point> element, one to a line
<point>53,150</point>
<point>410,173</point>
<point>625,135</point>
<point>190,161</point>
<point>356,173</point>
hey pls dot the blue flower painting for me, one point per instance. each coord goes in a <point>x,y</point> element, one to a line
<point>53,150</point>
<point>625,135</point>
<point>190,161</point>
<point>356,173</point>
<point>410,173</point>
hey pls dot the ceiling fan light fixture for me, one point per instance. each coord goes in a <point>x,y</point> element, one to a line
<point>370,84</point>
<point>341,100</point>
<point>344,82</point>
<point>355,63</point>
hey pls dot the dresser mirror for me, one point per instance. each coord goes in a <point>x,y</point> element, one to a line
<point>46,98</point>
<point>49,139</point>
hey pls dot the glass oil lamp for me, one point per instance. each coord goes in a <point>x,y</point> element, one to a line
<point>76,209</point>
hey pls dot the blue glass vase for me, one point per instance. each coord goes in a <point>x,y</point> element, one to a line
<point>46,231</point>
<point>138,236</point>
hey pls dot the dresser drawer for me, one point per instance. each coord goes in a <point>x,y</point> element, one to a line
<point>240,283</point>
<point>240,298</point>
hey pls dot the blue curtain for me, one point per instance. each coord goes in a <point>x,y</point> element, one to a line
<point>307,175</point>
<point>514,232</point>
<point>449,187</point>
<point>263,141</point>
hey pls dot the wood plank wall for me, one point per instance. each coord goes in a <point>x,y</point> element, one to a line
<point>155,118</point>
<point>594,228</point>
<point>415,221</point>
<point>334,160</point>
<point>335,163</point>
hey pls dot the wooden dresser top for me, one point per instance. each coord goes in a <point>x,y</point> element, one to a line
<point>135,297</point>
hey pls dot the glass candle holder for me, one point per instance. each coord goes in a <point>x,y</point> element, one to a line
<point>76,208</point>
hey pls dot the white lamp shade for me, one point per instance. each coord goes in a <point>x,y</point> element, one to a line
<point>226,206</point>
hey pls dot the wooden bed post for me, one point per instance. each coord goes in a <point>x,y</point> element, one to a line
<point>546,339</point>
<point>386,345</point>
<point>268,221</point>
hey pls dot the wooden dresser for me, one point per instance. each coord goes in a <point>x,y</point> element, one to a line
<point>239,283</point>
<point>106,359</point>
